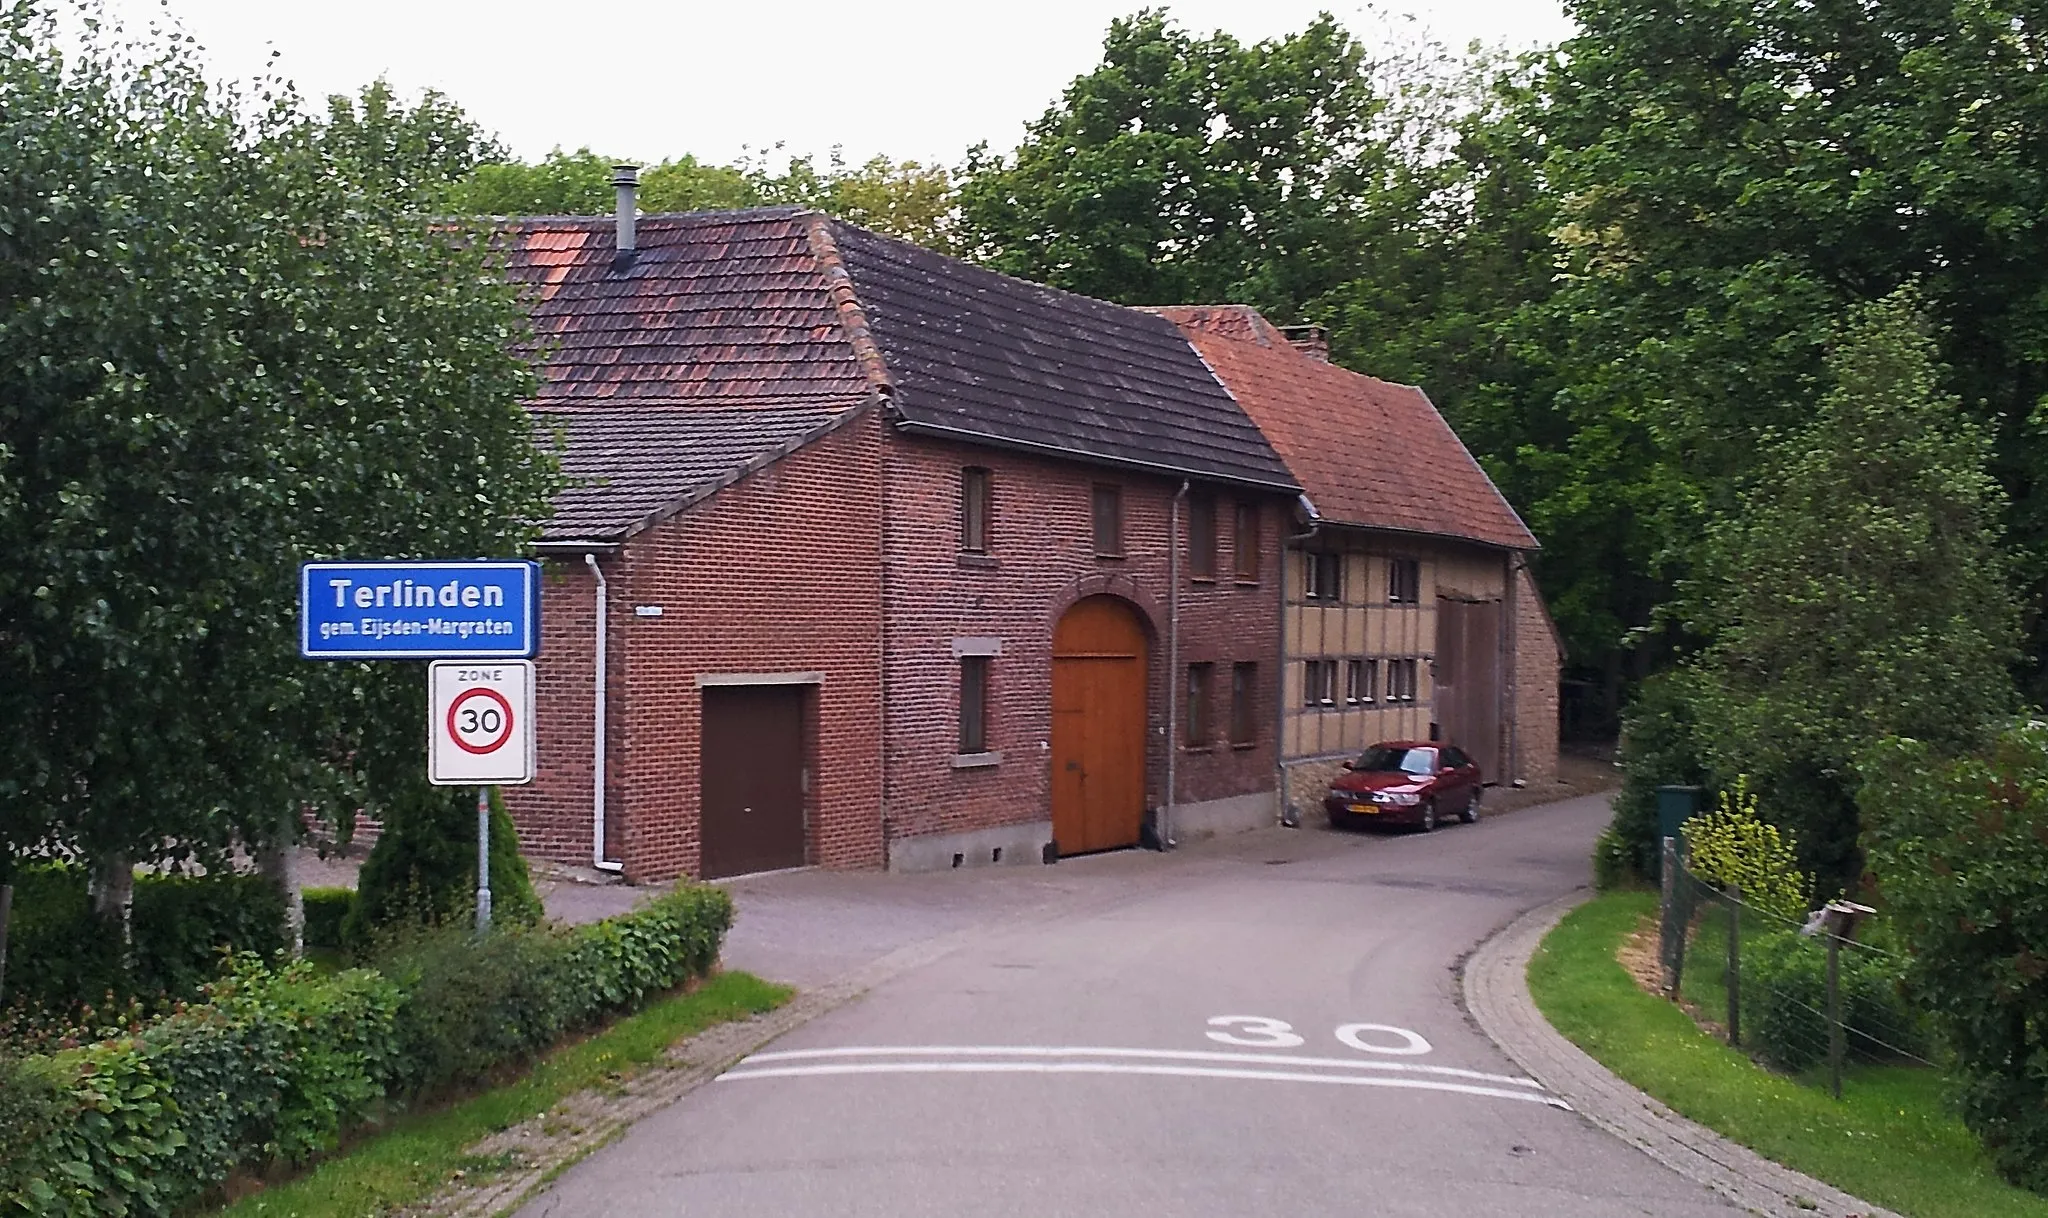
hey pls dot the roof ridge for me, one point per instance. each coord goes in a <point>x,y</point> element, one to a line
<point>845,300</point>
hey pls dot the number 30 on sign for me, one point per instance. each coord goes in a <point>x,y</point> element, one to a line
<point>479,722</point>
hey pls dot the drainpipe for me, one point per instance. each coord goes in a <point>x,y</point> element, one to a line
<point>597,728</point>
<point>1174,691</point>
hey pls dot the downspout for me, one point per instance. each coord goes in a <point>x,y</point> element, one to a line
<point>597,728</point>
<point>1290,816</point>
<point>1174,690</point>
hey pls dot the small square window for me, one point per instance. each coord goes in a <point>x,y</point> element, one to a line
<point>1109,520</point>
<point>974,672</point>
<point>1404,581</point>
<point>1360,676</point>
<point>1201,679</point>
<point>1323,576</point>
<point>1247,541</point>
<point>1202,538</point>
<point>1244,699</point>
<point>975,501</point>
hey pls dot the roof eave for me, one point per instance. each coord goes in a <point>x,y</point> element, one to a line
<point>965,435</point>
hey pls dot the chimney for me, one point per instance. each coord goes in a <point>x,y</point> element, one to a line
<point>1312,341</point>
<point>627,179</point>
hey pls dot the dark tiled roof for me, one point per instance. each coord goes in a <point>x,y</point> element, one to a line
<point>997,359</point>
<point>632,465</point>
<point>1367,452</point>
<point>729,337</point>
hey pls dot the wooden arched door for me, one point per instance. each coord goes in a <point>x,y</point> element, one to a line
<point>1098,726</point>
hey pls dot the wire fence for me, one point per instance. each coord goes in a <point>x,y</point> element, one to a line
<point>1803,994</point>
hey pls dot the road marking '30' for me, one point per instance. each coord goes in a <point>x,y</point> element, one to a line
<point>1262,1032</point>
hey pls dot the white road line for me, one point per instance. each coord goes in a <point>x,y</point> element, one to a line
<point>1016,1067</point>
<point>1281,1059</point>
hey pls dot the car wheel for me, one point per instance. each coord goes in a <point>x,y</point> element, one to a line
<point>1471,813</point>
<point>1428,815</point>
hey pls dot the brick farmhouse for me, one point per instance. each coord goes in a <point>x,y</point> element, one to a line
<point>876,558</point>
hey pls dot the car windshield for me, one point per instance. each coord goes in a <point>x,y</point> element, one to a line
<point>1382,759</point>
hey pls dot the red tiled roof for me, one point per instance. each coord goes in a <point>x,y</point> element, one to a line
<point>1367,452</point>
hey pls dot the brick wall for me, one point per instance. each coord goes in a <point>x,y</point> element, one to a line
<point>1537,662</point>
<point>778,573</point>
<point>1042,559</point>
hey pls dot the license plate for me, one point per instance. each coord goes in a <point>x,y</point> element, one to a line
<point>1367,809</point>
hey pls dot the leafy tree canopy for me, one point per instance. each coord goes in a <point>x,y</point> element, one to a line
<point>1855,591</point>
<point>227,345</point>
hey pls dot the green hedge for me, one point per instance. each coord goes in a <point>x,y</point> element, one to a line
<point>183,927</point>
<point>1785,1002</point>
<point>326,910</point>
<point>277,1065</point>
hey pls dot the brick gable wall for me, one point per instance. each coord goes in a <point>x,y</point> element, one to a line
<point>1537,663</point>
<point>1041,561</point>
<point>778,573</point>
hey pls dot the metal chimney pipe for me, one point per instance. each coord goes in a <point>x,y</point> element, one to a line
<point>627,179</point>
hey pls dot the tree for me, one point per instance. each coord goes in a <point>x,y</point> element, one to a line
<point>225,348</point>
<point>1856,591</point>
<point>1189,170</point>
<point>417,153</point>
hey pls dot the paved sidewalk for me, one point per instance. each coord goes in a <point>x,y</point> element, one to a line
<point>1497,994</point>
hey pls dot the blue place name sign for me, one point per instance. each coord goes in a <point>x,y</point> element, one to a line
<point>402,610</point>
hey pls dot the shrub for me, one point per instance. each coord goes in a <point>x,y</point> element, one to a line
<point>1959,849</point>
<point>1785,1002</point>
<point>183,928</point>
<point>273,1067</point>
<point>1732,846</point>
<point>1658,748</point>
<point>278,1064</point>
<point>326,909</point>
<point>1614,863</point>
<point>472,1005</point>
<point>422,871</point>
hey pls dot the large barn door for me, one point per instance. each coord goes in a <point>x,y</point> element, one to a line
<point>752,779</point>
<point>1098,727</point>
<point>1468,679</point>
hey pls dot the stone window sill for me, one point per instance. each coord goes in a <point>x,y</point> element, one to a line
<point>976,761</point>
<point>982,562</point>
<point>1242,745</point>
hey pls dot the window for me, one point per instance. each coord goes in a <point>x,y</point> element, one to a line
<point>1247,541</point>
<point>974,704</point>
<point>974,510</point>
<point>1401,680</point>
<point>1455,759</point>
<point>1109,520</point>
<point>1202,538</point>
<point>1244,693</point>
<point>1195,729</point>
<point>1404,581</point>
<point>1396,759</point>
<point>1319,683</point>
<point>1359,679</point>
<point>1323,576</point>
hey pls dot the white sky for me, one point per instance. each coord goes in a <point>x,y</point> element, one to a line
<point>645,79</point>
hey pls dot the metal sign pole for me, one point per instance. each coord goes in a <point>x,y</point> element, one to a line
<point>483,860</point>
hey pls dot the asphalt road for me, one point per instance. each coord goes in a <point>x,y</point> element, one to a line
<point>1262,1027</point>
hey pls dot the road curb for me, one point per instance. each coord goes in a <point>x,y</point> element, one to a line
<point>1496,990</point>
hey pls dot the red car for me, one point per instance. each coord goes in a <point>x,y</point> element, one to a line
<point>1406,782</point>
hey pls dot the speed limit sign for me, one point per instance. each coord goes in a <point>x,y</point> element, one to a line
<point>479,722</point>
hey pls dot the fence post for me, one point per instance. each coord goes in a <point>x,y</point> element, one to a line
<point>1734,964</point>
<point>1835,1045</point>
<point>1667,954</point>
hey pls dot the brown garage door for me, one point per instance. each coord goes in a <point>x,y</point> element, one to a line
<point>1468,679</point>
<point>752,778</point>
<point>1098,727</point>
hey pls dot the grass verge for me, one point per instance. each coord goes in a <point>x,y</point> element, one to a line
<point>1890,1140</point>
<point>418,1153</point>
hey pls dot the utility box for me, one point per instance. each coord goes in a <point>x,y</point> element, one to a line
<point>1675,806</point>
